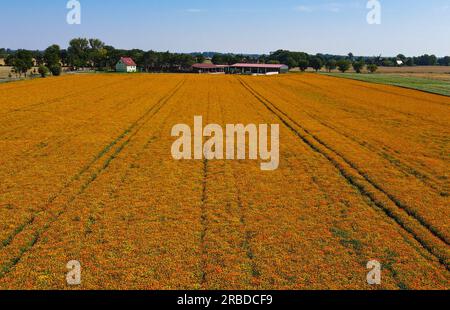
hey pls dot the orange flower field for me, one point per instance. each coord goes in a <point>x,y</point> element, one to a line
<point>87,174</point>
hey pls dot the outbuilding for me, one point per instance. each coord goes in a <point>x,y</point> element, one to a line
<point>126,64</point>
<point>208,68</point>
<point>268,69</point>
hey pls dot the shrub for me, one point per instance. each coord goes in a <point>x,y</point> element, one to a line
<point>55,70</point>
<point>372,68</point>
<point>343,65</point>
<point>358,66</point>
<point>43,71</point>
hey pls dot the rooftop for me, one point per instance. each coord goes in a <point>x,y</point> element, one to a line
<point>269,66</point>
<point>128,61</point>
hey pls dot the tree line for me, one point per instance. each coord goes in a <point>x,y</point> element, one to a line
<point>343,63</point>
<point>94,54</point>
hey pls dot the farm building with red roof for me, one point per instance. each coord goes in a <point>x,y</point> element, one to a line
<point>241,68</point>
<point>208,68</point>
<point>126,64</point>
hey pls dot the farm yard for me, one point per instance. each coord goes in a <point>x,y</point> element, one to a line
<point>87,175</point>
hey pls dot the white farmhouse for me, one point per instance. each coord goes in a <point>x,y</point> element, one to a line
<point>126,64</point>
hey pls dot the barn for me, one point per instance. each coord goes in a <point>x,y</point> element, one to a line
<point>240,68</point>
<point>208,68</point>
<point>243,68</point>
<point>126,64</point>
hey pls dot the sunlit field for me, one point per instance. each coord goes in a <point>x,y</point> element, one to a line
<point>87,174</point>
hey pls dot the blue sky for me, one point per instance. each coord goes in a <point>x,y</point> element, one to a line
<point>248,26</point>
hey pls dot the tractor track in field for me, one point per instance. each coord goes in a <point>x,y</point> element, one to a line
<point>397,201</point>
<point>155,136</point>
<point>57,139</point>
<point>77,176</point>
<point>421,231</point>
<point>387,154</point>
<point>204,225</point>
<point>323,93</point>
<point>54,216</point>
<point>204,213</point>
<point>362,173</point>
<point>248,236</point>
<point>318,187</point>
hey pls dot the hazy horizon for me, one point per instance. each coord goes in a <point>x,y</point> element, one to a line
<point>251,27</point>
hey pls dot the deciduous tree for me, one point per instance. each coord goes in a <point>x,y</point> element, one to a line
<point>316,63</point>
<point>52,55</point>
<point>331,65</point>
<point>358,66</point>
<point>303,64</point>
<point>343,65</point>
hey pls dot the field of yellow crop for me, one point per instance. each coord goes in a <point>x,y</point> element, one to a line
<point>87,174</point>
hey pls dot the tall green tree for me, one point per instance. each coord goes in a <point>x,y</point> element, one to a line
<point>291,59</point>
<point>38,57</point>
<point>291,62</point>
<point>426,60</point>
<point>444,61</point>
<point>343,65</point>
<point>331,65</point>
<point>150,60</point>
<point>200,58</point>
<point>64,57</point>
<point>97,55</point>
<point>218,59</point>
<point>52,56</point>
<point>22,61</point>
<point>316,63</point>
<point>350,56</point>
<point>9,60</point>
<point>409,61</point>
<point>78,53</point>
<point>3,53</point>
<point>112,56</point>
<point>303,64</point>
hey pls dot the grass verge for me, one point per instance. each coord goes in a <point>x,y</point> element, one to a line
<point>429,85</point>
